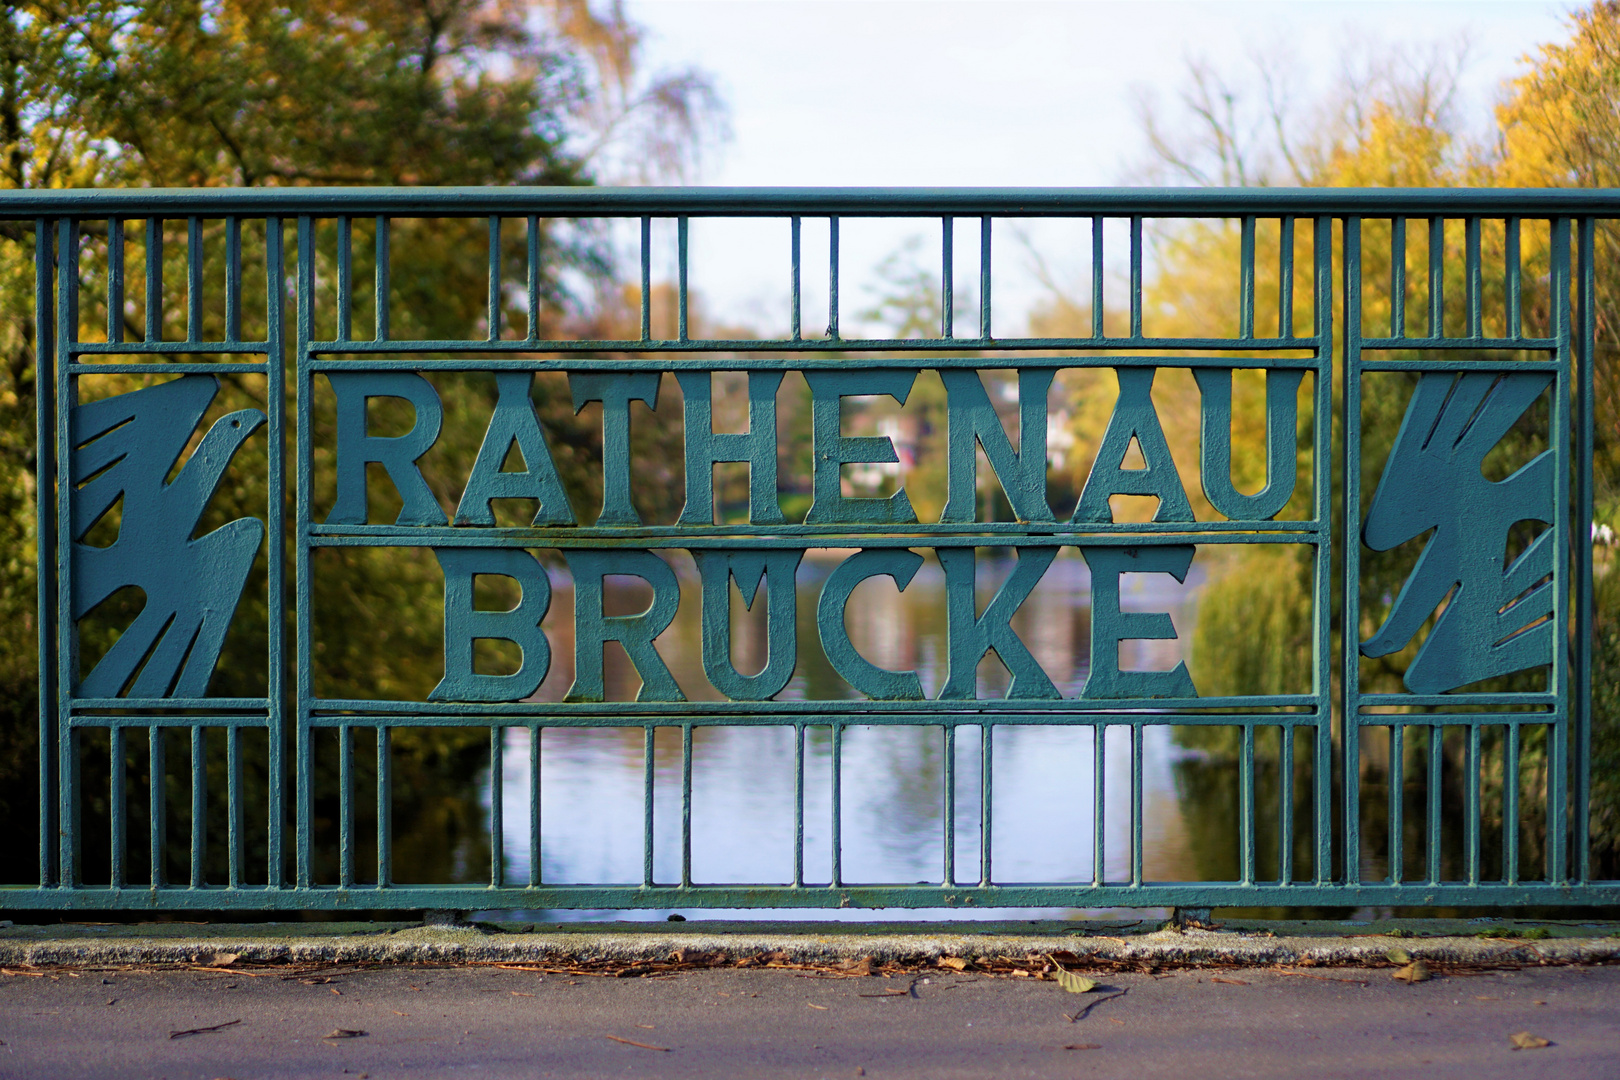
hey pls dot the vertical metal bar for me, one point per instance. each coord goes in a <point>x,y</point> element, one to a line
<point>1097,330</point>
<point>1471,807</point>
<point>948,731</point>
<point>304,795</point>
<point>1397,803</point>
<point>194,279</point>
<point>154,279</point>
<point>1246,822</point>
<point>199,807</point>
<point>1513,277</point>
<point>1431,843</point>
<point>832,283</point>
<point>681,237</point>
<point>345,737</point>
<point>234,831</point>
<point>947,297</point>
<point>157,806</point>
<point>345,278</point>
<point>1285,801</point>
<point>1351,680</point>
<point>1099,773</point>
<point>1558,835</point>
<point>233,278</point>
<point>532,238</point>
<point>497,806</point>
<point>67,673</point>
<point>1437,277</point>
<point>382,285</point>
<point>1246,279</point>
<point>535,875</point>
<point>115,279</point>
<point>1476,271</point>
<point>1322,643</point>
<point>1136,806</point>
<point>984,279</point>
<point>117,806</point>
<point>1285,279</point>
<point>1136,276</point>
<point>837,805</point>
<point>49,470</point>
<point>646,279</point>
<point>1580,699</point>
<point>493,315</point>
<point>72,870</point>
<point>647,777</point>
<point>987,743</point>
<point>796,292</point>
<point>276,512</point>
<point>798,801</point>
<point>686,806</point>
<point>1510,807</point>
<point>385,806</point>
<point>1397,282</point>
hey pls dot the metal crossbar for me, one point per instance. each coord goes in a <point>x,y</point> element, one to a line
<point>1470,376</point>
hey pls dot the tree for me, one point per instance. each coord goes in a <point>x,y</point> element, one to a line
<point>253,92</point>
<point>1394,123</point>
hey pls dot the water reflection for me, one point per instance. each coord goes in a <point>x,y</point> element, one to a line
<point>893,778</point>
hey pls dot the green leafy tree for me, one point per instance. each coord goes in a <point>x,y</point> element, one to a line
<point>199,93</point>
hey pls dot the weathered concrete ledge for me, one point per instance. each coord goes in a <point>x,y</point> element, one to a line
<point>1479,942</point>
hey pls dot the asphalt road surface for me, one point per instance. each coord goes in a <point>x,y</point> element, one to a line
<point>399,1022</point>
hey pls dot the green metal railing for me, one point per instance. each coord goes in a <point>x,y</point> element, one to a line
<point>1497,619</point>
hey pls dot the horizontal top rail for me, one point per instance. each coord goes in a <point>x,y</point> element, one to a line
<point>785,201</point>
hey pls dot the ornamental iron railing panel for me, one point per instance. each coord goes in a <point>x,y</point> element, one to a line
<point>1475,614</point>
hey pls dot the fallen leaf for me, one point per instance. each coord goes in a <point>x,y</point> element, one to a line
<point>396,1012</point>
<point>955,963</point>
<point>649,1027</point>
<point>345,1033</point>
<point>1074,984</point>
<point>1083,1046</point>
<point>219,959</point>
<point>518,993</point>
<point>1398,955</point>
<point>1415,972</point>
<point>1229,982</point>
<point>813,1005</point>
<point>1111,1020</point>
<point>1523,1040</point>
<point>203,1030</point>
<point>632,1042</point>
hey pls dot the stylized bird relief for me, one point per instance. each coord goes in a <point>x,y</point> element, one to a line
<point>124,447</point>
<point>1497,619</point>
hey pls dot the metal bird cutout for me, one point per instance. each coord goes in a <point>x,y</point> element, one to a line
<point>123,448</point>
<point>1497,618</point>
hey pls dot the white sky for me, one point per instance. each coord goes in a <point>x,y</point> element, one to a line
<point>991,93</point>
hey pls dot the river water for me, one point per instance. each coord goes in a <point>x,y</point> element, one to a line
<point>893,828</point>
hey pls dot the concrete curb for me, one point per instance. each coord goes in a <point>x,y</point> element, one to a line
<point>1479,943</point>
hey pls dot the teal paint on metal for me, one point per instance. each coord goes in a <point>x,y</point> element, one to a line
<point>514,424</point>
<point>1475,375</point>
<point>123,449</point>
<point>464,624</point>
<point>1495,623</point>
<point>1134,420</point>
<point>748,568</point>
